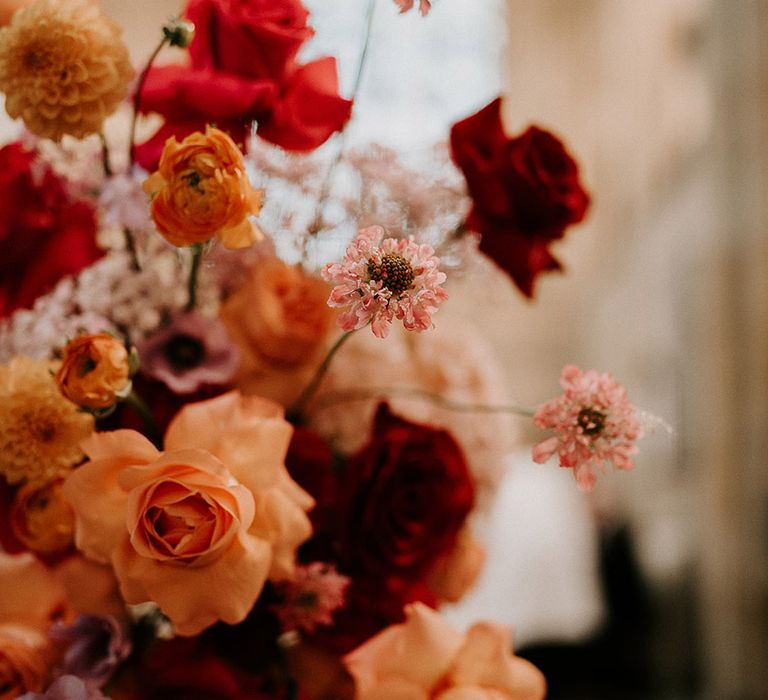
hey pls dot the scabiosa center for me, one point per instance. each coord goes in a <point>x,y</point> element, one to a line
<point>393,271</point>
<point>184,351</point>
<point>591,421</point>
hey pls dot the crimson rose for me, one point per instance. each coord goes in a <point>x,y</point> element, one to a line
<point>44,233</point>
<point>243,69</point>
<point>525,192</point>
<point>405,497</point>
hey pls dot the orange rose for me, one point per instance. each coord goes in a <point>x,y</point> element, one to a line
<point>198,528</point>
<point>41,518</point>
<point>201,190</point>
<point>279,318</point>
<point>424,658</point>
<point>95,371</point>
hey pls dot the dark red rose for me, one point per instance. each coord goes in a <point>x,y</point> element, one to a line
<point>243,69</point>
<point>525,192</point>
<point>44,233</point>
<point>405,497</point>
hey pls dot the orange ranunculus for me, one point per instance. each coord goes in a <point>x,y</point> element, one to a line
<point>201,190</point>
<point>95,371</point>
<point>41,518</point>
<point>25,661</point>
<point>280,320</point>
<point>198,528</point>
<point>424,658</point>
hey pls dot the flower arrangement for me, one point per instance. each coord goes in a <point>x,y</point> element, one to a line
<point>226,472</point>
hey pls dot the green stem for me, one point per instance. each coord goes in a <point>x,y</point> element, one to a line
<point>296,410</point>
<point>137,99</point>
<point>150,425</point>
<point>105,155</point>
<point>197,256</point>
<point>414,393</point>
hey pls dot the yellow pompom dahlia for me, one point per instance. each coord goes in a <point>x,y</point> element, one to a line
<point>40,431</point>
<point>63,67</point>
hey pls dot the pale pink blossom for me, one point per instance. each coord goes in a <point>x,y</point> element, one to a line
<point>593,422</point>
<point>405,5</point>
<point>381,279</point>
<point>311,598</point>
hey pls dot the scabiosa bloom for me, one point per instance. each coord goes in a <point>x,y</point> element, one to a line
<point>190,352</point>
<point>311,598</point>
<point>381,279</point>
<point>593,422</point>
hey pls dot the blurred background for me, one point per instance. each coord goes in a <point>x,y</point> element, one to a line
<point>656,584</point>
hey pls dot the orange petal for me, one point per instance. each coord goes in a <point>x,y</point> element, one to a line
<point>244,234</point>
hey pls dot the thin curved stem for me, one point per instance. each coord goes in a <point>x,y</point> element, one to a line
<point>332,398</point>
<point>137,98</point>
<point>194,270</point>
<point>296,410</point>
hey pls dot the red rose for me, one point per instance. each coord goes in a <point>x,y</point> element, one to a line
<point>44,234</point>
<point>243,69</point>
<point>405,497</point>
<point>525,192</point>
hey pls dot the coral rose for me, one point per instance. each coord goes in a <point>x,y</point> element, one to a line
<point>280,321</point>
<point>63,67</point>
<point>198,528</point>
<point>201,190</point>
<point>525,192</point>
<point>95,371</point>
<point>424,658</point>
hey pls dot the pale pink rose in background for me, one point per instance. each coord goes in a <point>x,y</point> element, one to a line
<point>424,658</point>
<point>454,361</point>
<point>198,528</point>
<point>281,323</point>
<point>456,573</point>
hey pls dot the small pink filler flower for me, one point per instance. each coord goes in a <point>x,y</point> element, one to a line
<point>311,598</point>
<point>594,423</point>
<point>384,278</point>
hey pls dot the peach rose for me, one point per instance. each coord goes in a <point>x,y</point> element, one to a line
<point>280,320</point>
<point>198,528</point>
<point>201,190</point>
<point>456,573</point>
<point>424,658</point>
<point>41,518</point>
<point>95,371</point>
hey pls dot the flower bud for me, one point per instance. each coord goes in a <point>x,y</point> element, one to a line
<point>179,32</point>
<point>95,371</point>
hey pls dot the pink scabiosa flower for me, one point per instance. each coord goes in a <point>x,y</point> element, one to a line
<point>405,5</point>
<point>381,279</point>
<point>311,598</point>
<point>593,422</point>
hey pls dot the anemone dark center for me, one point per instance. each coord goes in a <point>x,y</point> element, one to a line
<point>393,271</point>
<point>184,352</point>
<point>591,421</point>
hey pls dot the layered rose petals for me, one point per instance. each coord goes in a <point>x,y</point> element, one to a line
<point>198,528</point>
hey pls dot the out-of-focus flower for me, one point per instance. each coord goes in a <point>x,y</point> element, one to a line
<point>41,518</point>
<point>189,353</point>
<point>201,190</point>
<point>96,646</point>
<point>40,431</point>
<point>594,423</point>
<point>30,601</point>
<point>244,70</point>
<point>95,371</point>
<point>525,192</point>
<point>454,574</point>
<point>405,5</point>
<point>67,687</point>
<point>311,597</point>
<point>199,528</point>
<point>405,498</point>
<point>8,7</point>
<point>123,203</point>
<point>63,67</point>
<point>381,279</point>
<point>424,657</point>
<point>280,320</point>
<point>44,234</point>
